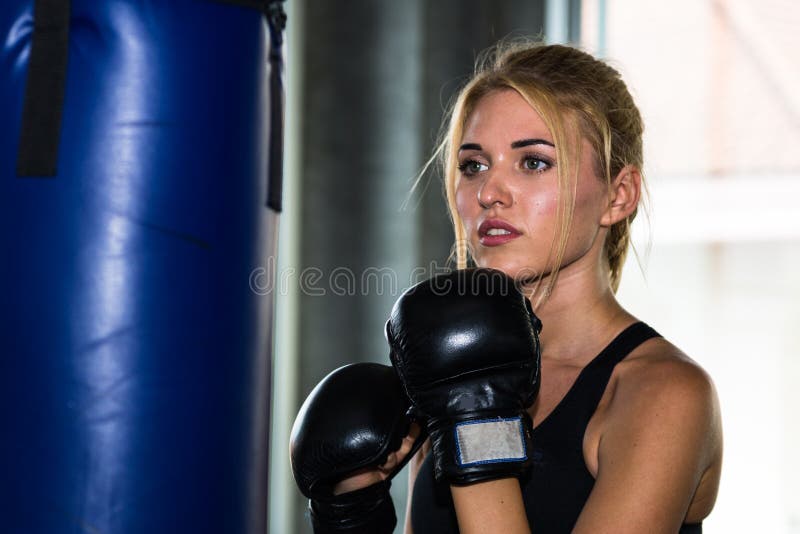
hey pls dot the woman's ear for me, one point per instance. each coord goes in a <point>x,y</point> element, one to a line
<point>624,195</point>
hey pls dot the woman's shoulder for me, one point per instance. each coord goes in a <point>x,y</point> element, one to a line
<point>661,404</point>
<point>657,367</point>
<point>659,385</point>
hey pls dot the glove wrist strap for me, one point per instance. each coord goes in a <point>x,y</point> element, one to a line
<point>482,447</point>
<point>366,511</point>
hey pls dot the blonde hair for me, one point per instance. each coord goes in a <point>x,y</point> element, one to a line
<point>577,96</point>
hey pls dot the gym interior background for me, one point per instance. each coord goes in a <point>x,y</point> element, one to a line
<point>715,268</point>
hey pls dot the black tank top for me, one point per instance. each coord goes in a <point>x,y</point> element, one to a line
<point>559,483</point>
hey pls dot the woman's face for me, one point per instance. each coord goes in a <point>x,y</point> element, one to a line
<point>507,191</point>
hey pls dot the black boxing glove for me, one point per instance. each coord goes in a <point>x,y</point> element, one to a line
<point>466,346</point>
<point>351,420</point>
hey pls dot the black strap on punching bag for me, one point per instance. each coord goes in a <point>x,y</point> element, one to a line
<point>44,90</point>
<point>277,22</point>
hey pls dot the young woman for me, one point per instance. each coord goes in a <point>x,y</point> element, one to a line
<point>543,173</point>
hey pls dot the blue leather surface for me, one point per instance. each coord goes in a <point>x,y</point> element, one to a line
<point>134,356</point>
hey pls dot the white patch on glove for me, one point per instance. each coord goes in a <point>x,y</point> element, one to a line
<point>489,441</point>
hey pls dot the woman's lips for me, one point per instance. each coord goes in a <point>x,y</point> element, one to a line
<point>494,232</point>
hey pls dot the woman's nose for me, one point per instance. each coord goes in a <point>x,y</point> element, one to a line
<point>493,191</point>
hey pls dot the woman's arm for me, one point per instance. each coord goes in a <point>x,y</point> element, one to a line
<point>413,469</point>
<point>490,507</point>
<point>661,433</point>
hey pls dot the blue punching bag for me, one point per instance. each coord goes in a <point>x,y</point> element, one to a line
<point>140,150</point>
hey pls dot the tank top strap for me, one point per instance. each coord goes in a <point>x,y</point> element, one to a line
<point>592,381</point>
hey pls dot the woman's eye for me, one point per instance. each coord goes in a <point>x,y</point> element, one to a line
<point>471,167</point>
<point>534,164</point>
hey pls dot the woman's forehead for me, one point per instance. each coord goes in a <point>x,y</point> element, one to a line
<point>505,114</point>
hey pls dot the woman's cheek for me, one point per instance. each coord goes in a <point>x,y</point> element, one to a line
<point>543,205</point>
<point>466,209</point>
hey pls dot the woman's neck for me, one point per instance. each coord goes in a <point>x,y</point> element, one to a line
<point>580,316</point>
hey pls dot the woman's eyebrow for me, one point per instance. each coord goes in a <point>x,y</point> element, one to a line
<point>516,144</point>
<point>528,142</point>
<point>470,146</point>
